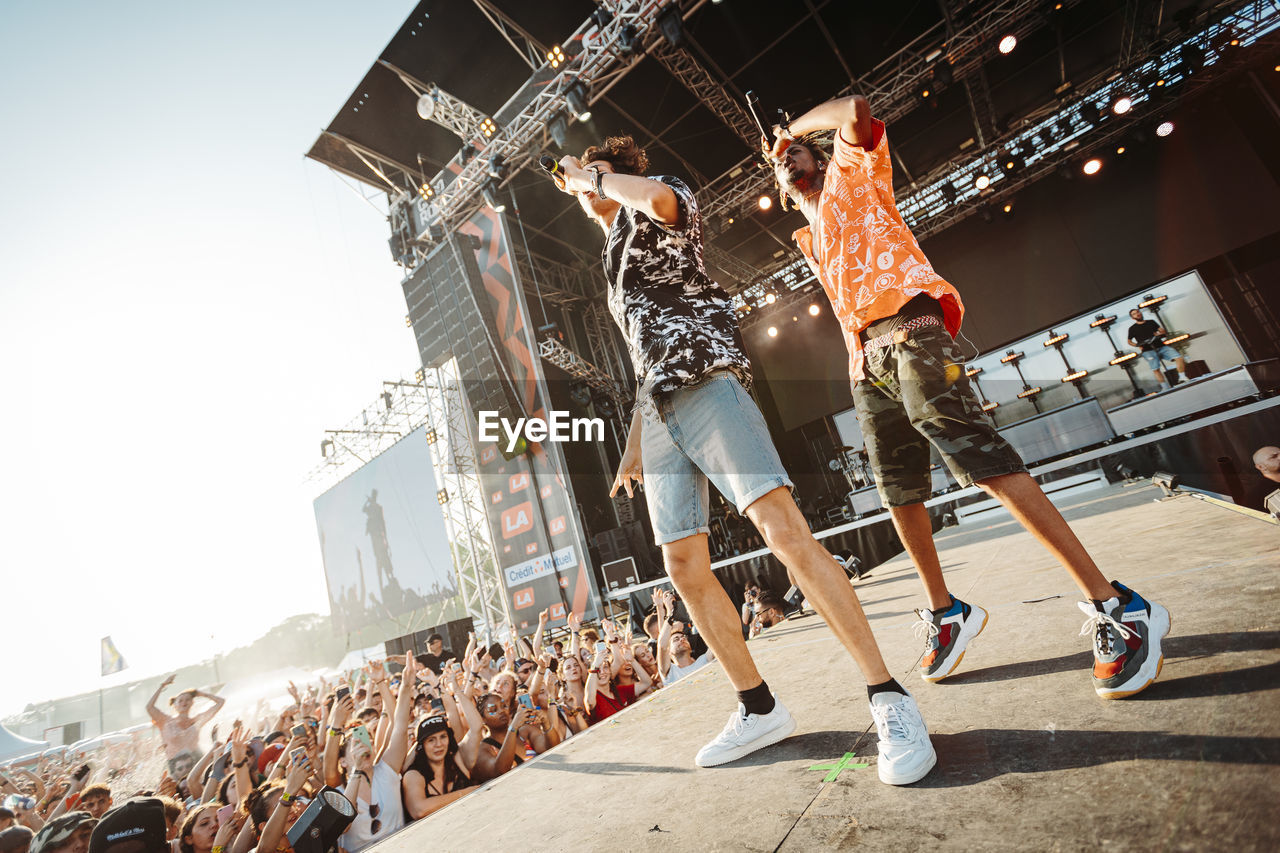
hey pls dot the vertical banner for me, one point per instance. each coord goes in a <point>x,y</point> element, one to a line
<point>541,551</point>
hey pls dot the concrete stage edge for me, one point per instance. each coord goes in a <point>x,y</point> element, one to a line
<point>1029,758</point>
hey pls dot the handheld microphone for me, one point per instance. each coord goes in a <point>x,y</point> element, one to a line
<point>552,168</point>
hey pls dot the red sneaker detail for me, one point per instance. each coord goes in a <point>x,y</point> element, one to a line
<point>1109,668</point>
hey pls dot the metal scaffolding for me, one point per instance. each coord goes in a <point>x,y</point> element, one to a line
<point>554,352</point>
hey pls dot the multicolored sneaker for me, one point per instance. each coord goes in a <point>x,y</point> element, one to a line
<point>946,634</point>
<point>1126,642</point>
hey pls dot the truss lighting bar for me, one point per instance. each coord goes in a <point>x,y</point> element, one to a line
<point>1072,377</point>
<point>1011,357</point>
<point>989,406</point>
<point>1151,300</point>
<point>1030,392</point>
<point>1056,339</point>
<point>1176,339</point>
<point>1121,359</point>
<point>1102,322</point>
<point>972,371</point>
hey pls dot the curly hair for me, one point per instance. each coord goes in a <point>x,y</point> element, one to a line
<point>621,152</point>
<point>814,143</point>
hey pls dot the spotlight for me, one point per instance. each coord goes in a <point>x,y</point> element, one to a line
<point>442,497</point>
<point>559,130</point>
<point>1089,112</point>
<point>1122,105</point>
<point>1192,57</point>
<point>326,447</point>
<point>773,331</point>
<point>1011,162</point>
<point>627,39</point>
<point>1091,166</point>
<point>431,436</point>
<point>1008,43</point>
<point>576,98</point>
<point>555,56</point>
<point>491,198</point>
<point>1164,128</point>
<point>1102,321</point>
<point>990,405</point>
<point>942,74</point>
<point>419,376</point>
<point>1007,210</point>
<point>425,190</point>
<point>1011,356</point>
<point>765,202</point>
<point>1120,149</point>
<point>770,298</point>
<point>488,128</point>
<point>671,26</point>
<point>1063,126</point>
<point>601,17</point>
<point>949,192</point>
<point>497,168</point>
<point>468,151</point>
<point>815,309</point>
<point>426,106</point>
<point>982,182</point>
<point>924,93</point>
<point>604,406</point>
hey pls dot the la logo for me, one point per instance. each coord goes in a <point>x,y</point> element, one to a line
<point>523,599</point>
<point>517,520</point>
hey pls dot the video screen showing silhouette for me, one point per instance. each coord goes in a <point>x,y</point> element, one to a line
<point>383,540</point>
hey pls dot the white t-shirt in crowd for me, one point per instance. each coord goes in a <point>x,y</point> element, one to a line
<point>386,796</point>
<point>675,673</point>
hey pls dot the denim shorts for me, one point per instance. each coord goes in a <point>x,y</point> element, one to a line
<point>1165,352</point>
<point>712,431</point>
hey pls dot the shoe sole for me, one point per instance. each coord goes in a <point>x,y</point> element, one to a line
<point>938,676</point>
<point>916,776</point>
<point>1161,622</point>
<point>780,733</point>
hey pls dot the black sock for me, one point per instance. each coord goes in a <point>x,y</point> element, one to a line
<point>757,700</point>
<point>890,686</point>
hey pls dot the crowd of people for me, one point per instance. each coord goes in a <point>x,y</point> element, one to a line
<point>400,738</point>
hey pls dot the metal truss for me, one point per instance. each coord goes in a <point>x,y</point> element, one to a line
<point>742,272</point>
<point>451,112</point>
<point>559,284</point>
<point>466,521</point>
<point>554,352</point>
<point>521,125</point>
<point>398,410</point>
<point>698,80</point>
<point>602,342</point>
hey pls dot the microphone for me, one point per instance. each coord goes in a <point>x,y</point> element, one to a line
<point>552,168</point>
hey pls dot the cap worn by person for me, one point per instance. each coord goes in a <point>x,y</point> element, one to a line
<point>16,839</point>
<point>269,756</point>
<point>58,831</point>
<point>523,662</point>
<point>434,638</point>
<point>137,826</point>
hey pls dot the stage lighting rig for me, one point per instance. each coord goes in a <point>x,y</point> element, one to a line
<point>426,106</point>
<point>1091,166</point>
<point>1008,43</point>
<point>442,497</point>
<point>1122,359</point>
<point>1011,357</point>
<point>492,198</point>
<point>627,39</point>
<point>555,56</point>
<point>576,97</point>
<point>497,168</point>
<point>1029,392</point>
<point>942,75</point>
<point>1150,301</point>
<point>773,331</point>
<point>1102,321</point>
<point>815,309</point>
<point>1122,105</point>
<point>1177,339</point>
<point>488,128</point>
<point>431,436</point>
<point>1055,339</point>
<point>949,192</point>
<point>1164,128</point>
<point>982,181</point>
<point>1089,112</point>
<point>671,25</point>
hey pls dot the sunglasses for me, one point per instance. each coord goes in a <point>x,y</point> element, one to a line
<point>375,825</point>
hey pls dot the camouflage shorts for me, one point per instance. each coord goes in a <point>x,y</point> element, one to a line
<point>915,393</point>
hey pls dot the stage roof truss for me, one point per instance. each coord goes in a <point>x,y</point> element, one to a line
<point>450,112</point>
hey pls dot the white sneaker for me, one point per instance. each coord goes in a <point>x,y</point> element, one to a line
<point>906,753</point>
<point>745,733</point>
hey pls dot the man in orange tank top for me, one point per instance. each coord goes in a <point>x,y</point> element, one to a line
<point>899,319</point>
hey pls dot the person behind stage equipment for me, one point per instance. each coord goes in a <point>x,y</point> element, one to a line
<point>695,422</point>
<point>1148,337</point>
<point>899,319</point>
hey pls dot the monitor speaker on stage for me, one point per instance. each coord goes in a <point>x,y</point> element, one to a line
<point>620,573</point>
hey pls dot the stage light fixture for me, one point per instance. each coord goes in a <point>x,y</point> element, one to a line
<point>555,56</point>
<point>425,190</point>
<point>488,128</point>
<point>1122,105</point>
<point>497,167</point>
<point>559,130</point>
<point>466,153</point>
<point>765,201</point>
<point>770,298</point>
<point>408,321</point>
<point>426,106</point>
<point>431,437</point>
<point>492,199</point>
<point>1056,339</point>
<point>1150,300</point>
<point>1177,339</point>
<point>1029,392</point>
<point>1091,166</point>
<point>1164,128</point>
<point>435,232</point>
<point>1011,162</point>
<point>319,827</point>
<point>972,371</point>
<point>982,181</point>
<point>1101,321</point>
<point>627,39</point>
<point>942,74</point>
<point>924,92</point>
<point>671,25</point>
<point>442,497</point>
<point>988,406</point>
<point>1089,112</point>
<point>815,309</point>
<point>773,331</point>
<point>601,17</point>
<point>419,376</point>
<point>1121,359</point>
<point>1007,210</point>
<point>576,97</point>
<point>1011,357</point>
<point>1192,57</point>
<point>326,448</point>
<point>1008,43</point>
<point>1063,126</point>
<point>949,192</point>
<point>1072,377</point>
<point>1120,149</point>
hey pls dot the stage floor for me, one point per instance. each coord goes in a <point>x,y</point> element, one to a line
<point>1029,758</point>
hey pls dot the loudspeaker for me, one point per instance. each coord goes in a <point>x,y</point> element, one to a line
<point>793,598</point>
<point>1197,368</point>
<point>620,573</point>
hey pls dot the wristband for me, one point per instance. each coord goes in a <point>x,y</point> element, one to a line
<point>598,184</point>
<point>335,732</point>
<point>218,848</point>
<point>286,798</point>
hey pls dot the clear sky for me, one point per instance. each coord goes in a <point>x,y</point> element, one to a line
<point>185,305</point>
